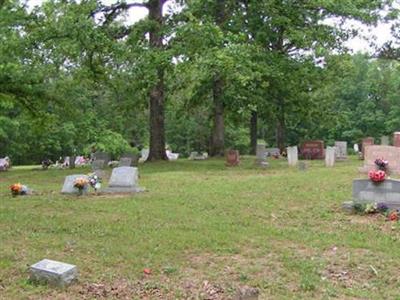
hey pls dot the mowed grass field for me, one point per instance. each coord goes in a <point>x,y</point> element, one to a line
<point>204,230</point>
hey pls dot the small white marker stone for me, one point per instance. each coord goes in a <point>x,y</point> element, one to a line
<point>53,272</point>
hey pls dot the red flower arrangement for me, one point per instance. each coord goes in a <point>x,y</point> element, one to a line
<point>377,175</point>
<point>393,216</point>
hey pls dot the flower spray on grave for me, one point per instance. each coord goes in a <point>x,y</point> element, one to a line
<point>81,183</point>
<point>18,189</point>
<point>378,175</point>
<point>94,181</point>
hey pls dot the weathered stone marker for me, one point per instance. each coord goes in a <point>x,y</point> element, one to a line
<point>312,149</point>
<point>389,153</point>
<point>261,156</point>
<point>366,191</point>
<point>125,162</point>
<point>365,143</point>
<point>124,180</point>
<point>384,140</point>
<point>232,158</point>
<point>341,150</point>
<point>330,155</point>
<point>53,272</point>
<point>68,187</point>
<point>292,156</point>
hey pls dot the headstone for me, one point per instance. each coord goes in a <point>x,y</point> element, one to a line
<point>330,155</point>
<point>53,272</point>
<point>384,140</point>
<point>196,156</point>
<point>313,149</point>
<point>389,153</point>
<point>366,191</point>
<point>171,156</point>
<point>261,152</point>
<point>341,150</point>
<point>261,156</point>
<point>68,187</point>
<point>232,158</point>
<point>124,180</point>
<point>98,166</point>
<point>125,162</point>
<point>303,166</point>
<point>3,164</point>
<point>134,158</point>
<point>366,142</point>
<point>275,152</point>
<point>396,139</point>
<point>356,148</point>
<point>102,156</point>
<point>292,156</point>
<point>144,155</point>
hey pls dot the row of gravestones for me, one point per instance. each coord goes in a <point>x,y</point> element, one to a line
<point>122,180</point>
<point>330,155</point>
<point>368,141</point>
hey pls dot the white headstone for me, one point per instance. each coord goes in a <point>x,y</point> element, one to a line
<point>330,156</point>
<point>356,148</point>
<point>124,180</point>
<point>53,272</point>
<point>261,152</point>
<point>144,155</point>
<point>341,150</point>
<point>68,187</point>
<point>292,156</point>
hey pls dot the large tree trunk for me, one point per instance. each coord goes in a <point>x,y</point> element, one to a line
<point>157,93</point>
<point>217,146</point>
<point>281,127</point>
<point>253,132</point>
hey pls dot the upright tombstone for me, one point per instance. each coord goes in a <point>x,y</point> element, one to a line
<point>292,156</point>
<point>98,166</point>
<point>124,180</point>
<point>125,162</point>
<point>396,139</point>
<point>53,272</point>
<point>389,153</point>
<point>384,140</point>
<point>330,155</point>
<point>341,150</point>
<point>366,191</point>
<point>134,158</point>
<point>144,155</point>
<point>368,141</point>
<point>232,158</point>
<point>102,156</point>
<point>68,187</point>
<point>261,155</point>
<point>312,149</point>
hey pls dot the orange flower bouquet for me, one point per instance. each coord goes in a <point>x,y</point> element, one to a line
<point>81,183</point>
<point>18,189</point>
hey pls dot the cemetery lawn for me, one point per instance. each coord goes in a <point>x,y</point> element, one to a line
<point>203,230</point>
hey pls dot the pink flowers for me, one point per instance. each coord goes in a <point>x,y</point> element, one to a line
<point>377,175</point>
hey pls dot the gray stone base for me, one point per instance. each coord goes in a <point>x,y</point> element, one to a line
<point>348,206</point>
<point>122,190</point>
<point>53,273</point>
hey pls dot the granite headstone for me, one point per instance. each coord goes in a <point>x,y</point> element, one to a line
<point>68,187</point>
<point>124,180</point>
<point>292,156</point>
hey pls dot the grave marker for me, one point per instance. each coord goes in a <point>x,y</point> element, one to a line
<point>124,180</point>
<point>341,150</point>
<point>232,158</point>
<point>330,155</point>
<point>366,142</point>
<point>313,149</point>
<point>68,187</point>
<point>292,156</point>
<point>53,272</point>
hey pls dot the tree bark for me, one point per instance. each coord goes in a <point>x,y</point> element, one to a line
<point>217,147</point>
<point>157,93</point>
<point>281,127</point>
<point>253,132</point>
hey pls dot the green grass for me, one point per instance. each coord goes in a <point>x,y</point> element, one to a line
<point>204,230</point>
